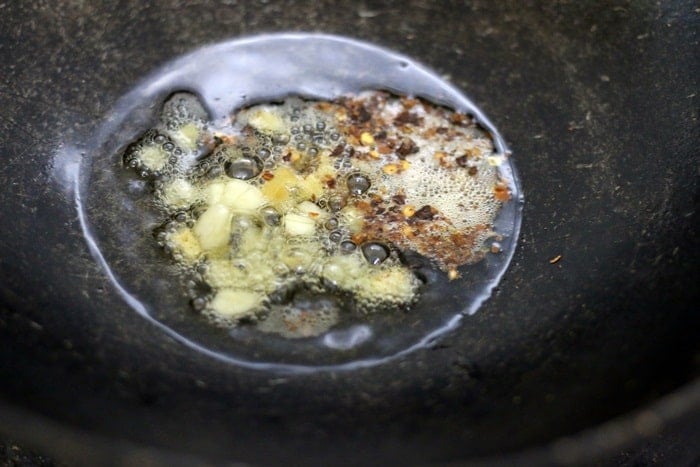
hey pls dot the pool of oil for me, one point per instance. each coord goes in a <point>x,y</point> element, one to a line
<point>119,219</point>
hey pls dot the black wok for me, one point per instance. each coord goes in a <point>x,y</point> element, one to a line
<point>564,363</point>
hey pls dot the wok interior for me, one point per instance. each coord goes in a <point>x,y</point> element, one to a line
<point>597,101</point>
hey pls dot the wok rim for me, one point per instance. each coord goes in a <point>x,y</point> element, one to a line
<point>587,445</point>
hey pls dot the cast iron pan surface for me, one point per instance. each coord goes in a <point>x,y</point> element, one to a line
<point>597,101</point>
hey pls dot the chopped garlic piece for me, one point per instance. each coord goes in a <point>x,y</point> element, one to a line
<point>153,157</point>
<point>266,121</point>
<point>393,283</point>
<point>234,303</point>
<point>187,244</point>
<point>187,136</point>
<point>299,224</point>
<point>495,160</point>
<point>179,193</point>
<point>213,192</point>
<point>311,210</point>
<point>213,228</point>
<point>353,218</point>
<point>344,271</point>
<point>279,190</point>
<point>242,197</point>
<point>366,139</point>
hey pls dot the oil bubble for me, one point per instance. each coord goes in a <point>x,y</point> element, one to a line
<point>358,183</point>
<point>271,216</point>
<point>214,172</point>
<point>244,168</point>
<point>375,253</point>
<point>198,303</point>
<point>282,138</point>
<point>336,203</point>
<point>331,223</point>
<point>347,246</point>
<point>335,236</point>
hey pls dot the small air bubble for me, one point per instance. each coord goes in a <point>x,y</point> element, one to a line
<point>335,236</point>
<point>375,253</point>
<point>358,184</point>
<point>281,138</point>
<point>331,223</point>
<point>244,168</point>
<point>199,303</point>
<point>336,203</point>
<point>214,172</point>
<point>347,246</point>
<point>270,216</point>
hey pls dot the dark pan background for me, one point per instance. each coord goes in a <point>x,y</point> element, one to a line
<point>598,101</point>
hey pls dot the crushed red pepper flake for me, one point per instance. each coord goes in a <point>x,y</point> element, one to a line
<point>424,230</point>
